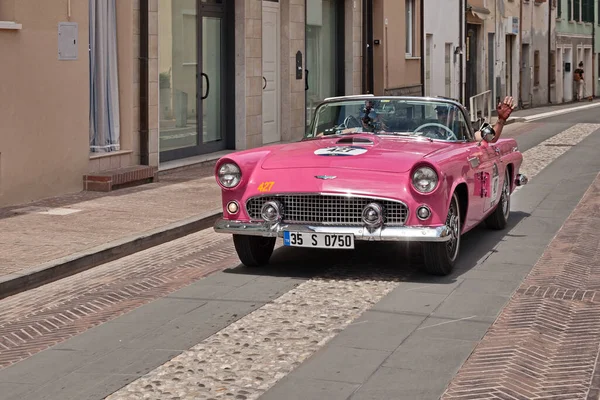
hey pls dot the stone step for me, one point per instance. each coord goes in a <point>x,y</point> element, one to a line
<point>108,180</point>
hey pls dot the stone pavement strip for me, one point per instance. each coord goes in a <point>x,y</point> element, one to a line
<point>546,342</point>
<point>57,231</point>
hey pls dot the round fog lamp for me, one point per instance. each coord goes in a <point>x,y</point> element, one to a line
<point>232,207</point>
<point>271,211</point>
<point>423,212</point>
<point>372,215</point>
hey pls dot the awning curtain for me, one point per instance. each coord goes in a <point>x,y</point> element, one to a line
<point>104,83</point>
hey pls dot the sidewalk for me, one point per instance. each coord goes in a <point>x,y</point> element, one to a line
<point>53,238</point>
<point>530,114</point>
<point>546,341</point>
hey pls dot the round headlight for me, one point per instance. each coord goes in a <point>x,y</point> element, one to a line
<point>424,179</point>
<point>229,175</point>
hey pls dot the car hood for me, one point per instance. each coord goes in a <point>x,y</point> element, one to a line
<point>363,152</point>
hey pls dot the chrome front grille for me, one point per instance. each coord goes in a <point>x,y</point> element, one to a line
<point>320,209</point>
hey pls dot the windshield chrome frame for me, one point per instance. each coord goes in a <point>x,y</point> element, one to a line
<point>424,99</point>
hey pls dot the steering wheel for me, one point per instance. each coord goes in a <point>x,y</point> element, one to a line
<point>350,119</point>
<point>451,134</point>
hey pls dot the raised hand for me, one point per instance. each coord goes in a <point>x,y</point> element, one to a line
<point>505,108</point>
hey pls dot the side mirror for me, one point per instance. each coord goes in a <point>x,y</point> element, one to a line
<point>487,132</point>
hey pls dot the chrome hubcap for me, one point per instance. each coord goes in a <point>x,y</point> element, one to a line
<point>453,223</point>
<point>504,199</point>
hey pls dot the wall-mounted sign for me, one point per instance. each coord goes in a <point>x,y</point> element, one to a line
<point>515,26</point>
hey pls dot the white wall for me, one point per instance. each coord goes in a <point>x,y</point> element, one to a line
<point>442,21</point>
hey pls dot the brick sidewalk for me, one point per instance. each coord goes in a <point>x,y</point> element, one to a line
<point>47,230</point>
<point>546,341</point>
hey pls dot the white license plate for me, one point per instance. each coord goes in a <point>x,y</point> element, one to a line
<point>319,240</point>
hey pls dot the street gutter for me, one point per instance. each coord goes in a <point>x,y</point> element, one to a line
<point>70,265</point>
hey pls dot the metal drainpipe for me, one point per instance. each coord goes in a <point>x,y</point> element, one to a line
<point>550,52</point>
<point>461,14</point>
<point>422,22</point>
<point>364,46</point>
<point>520,55</point>
<point>144,87</point>
<point>594,56</point>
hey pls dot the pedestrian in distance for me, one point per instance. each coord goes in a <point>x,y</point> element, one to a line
<point>579,82</point>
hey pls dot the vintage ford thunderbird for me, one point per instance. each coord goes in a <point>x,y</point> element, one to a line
<point>374,169</point>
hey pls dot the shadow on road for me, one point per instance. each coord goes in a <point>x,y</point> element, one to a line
<point>380,260</point>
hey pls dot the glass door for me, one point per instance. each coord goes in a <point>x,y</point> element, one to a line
<point>192,56</point>
<point>324,75</point>
<point>211,99</point>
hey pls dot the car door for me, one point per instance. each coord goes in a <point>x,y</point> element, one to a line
<point>479,164</point>
<point>492,176</point>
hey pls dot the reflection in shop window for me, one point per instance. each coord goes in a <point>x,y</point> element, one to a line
<point>321,52</point>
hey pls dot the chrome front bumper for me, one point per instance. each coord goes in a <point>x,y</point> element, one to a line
<point>390,233</point>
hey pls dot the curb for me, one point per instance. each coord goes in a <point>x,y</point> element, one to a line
<point>63,267</point>
<point>554,113</point>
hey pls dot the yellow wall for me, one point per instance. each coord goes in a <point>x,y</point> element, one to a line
<point>44,119</point>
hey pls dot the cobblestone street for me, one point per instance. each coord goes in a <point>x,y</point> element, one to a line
<point>182,320</point>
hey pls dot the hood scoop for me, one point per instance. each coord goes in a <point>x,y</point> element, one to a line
<point>354,140</point>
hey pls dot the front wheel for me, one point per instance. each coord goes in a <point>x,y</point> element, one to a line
<point>253,251</point>
<point>440,258</point>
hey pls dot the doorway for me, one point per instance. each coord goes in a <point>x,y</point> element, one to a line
<point>271,110</point>
<point>472,43</point>
<point>508,68</point>
<point>525,76</point>
<point>568,74</point>
<point>428,60</point>
<point>588,72</point>
<point>195,68</point>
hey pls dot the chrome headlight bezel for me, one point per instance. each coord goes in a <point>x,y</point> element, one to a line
<point>229,175</point>
<point>424,179</point>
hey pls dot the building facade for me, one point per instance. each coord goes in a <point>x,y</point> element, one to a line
<point>443,57</point>
<point>244,73</point>
<point>575,21</point>
<point>165,83</point>
<point>394,62</point>
<point>538,53</point>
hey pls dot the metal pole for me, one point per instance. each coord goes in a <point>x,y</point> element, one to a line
<point>144,84</point>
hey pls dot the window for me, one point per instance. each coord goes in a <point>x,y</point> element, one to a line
<point>410,10</point>
<point>587,10</point>
<point>552,66</point>
<point>536,68</point>
<point>559,9</point>
<point>577,10</point>
<point>569,10</point>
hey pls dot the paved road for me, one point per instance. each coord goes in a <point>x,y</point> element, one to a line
<point>183,320</point>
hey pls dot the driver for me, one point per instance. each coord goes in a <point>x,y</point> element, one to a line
<point>445,117</point>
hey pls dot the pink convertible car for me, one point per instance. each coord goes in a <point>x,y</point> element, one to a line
<point>375,169</point>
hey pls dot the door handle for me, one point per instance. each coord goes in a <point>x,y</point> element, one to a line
<point>306,80</point>
<point>207,85</point>
<point>474,161</point>
<point>265,85</point>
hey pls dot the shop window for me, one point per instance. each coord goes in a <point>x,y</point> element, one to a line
<point>536,68</point>
<point>410,28</point>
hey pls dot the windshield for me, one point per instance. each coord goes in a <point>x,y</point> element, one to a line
<point>426,118</point>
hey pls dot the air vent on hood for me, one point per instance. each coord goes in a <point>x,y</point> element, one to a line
<point>354,140</point>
